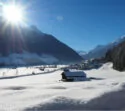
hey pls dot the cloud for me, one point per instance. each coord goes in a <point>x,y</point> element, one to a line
<point>60,18</point>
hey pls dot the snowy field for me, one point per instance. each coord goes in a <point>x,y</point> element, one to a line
<point>25,71</point>
<point>103,89</point>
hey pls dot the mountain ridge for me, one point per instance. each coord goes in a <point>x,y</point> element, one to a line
<point>17,39</point>
<point>101,50</point>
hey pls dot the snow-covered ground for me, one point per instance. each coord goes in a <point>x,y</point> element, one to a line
<point>23,71</point>
<point>104,89</point>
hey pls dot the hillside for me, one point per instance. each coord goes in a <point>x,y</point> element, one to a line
<point>20,42</point>
<point>117,56</point>
<point>101,50</point>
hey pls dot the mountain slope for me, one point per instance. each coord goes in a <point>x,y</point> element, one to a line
<point>101,50</point>
<point>117,56</point>
<point>81,53</point>
<point>21,40</point>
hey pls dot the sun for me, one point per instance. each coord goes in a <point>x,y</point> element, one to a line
<point>13,13</point>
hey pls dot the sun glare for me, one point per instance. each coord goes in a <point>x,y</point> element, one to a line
<point>12,13</point>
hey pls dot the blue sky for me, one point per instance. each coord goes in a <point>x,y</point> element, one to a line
<point>81,24</point>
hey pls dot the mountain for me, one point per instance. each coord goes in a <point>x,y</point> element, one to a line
<point>81,53</point>
<point>100,50</point>
<point>117,56</point>
<point>28,45</point>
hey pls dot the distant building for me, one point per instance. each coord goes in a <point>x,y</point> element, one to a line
<point>75,66</point>
<point>73,76</point>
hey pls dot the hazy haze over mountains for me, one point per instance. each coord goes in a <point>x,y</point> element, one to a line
<point>25,41</point>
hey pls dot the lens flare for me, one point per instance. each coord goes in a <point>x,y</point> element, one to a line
<point>13,13</point>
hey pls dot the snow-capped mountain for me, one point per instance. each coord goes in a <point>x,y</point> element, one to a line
<point>28,45</point>
<point>101,50</point>
<point>81,53</point>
